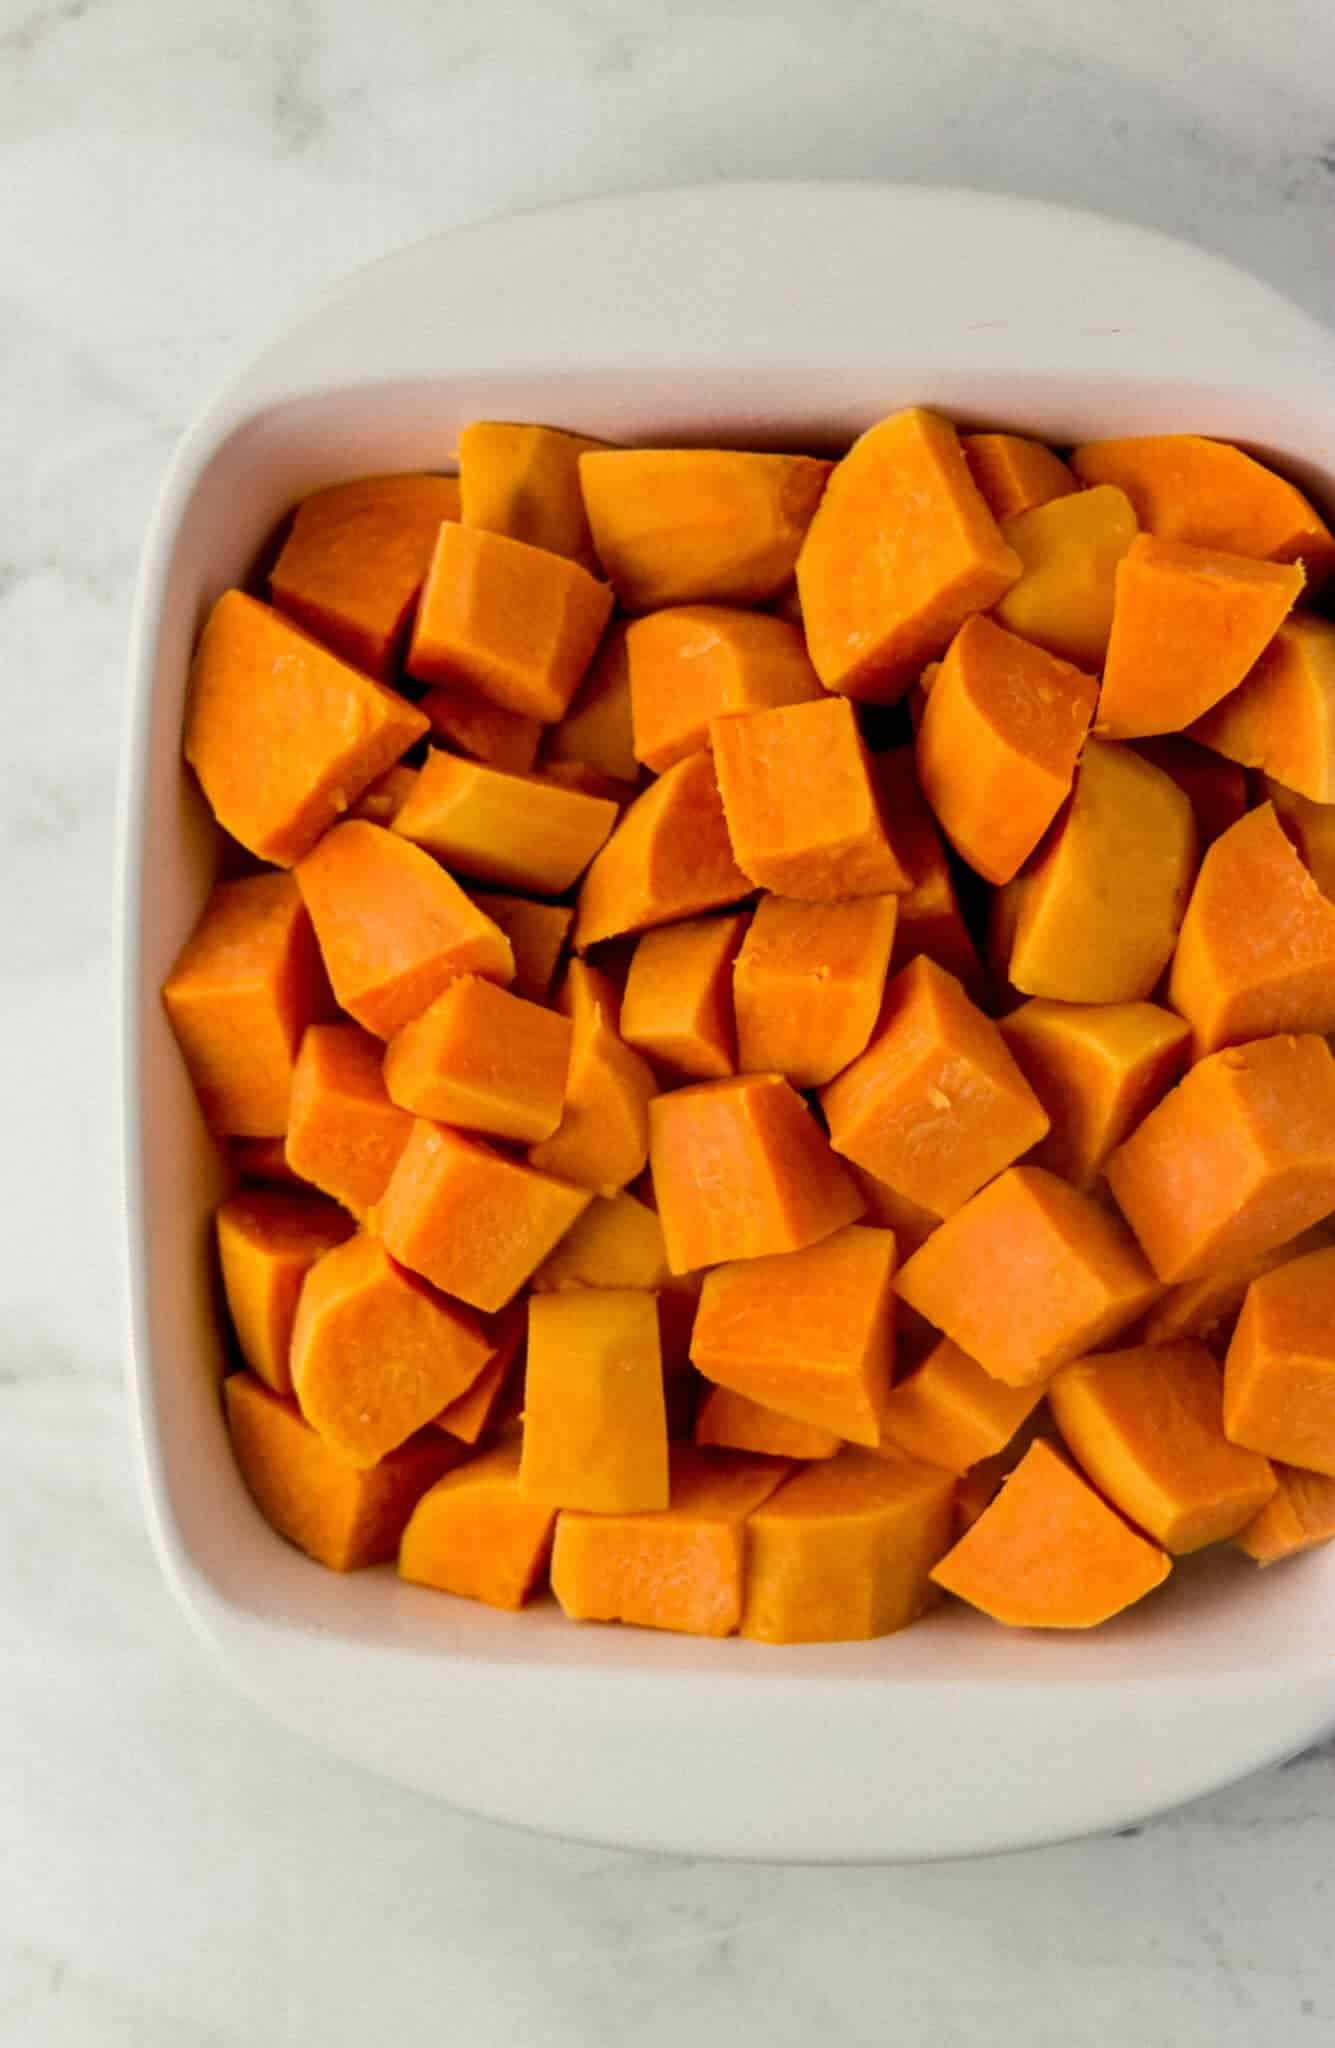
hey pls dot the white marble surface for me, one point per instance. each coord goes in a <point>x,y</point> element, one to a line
<point>173,180</point>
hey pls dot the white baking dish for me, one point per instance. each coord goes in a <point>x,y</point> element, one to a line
<point>781,315</point>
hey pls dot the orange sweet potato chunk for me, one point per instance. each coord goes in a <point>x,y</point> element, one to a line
<point>1069,549</point>
<point>471,1414</point>
<point>1299,1514</point>
<point>524,481</point>
<point>282,734</point>
<point>1279,1375</point>
<point>598,731</point>
<point>342,1515</point>
<point>381,801</point>
<point>344,1134</point>
<point>1147,1426</point>
<point>1281,717</point>
<point>1215,788</point>
<point>1311,827</point>
<point>1237,1159</point>
<point>669,857</point>
<point>595,1425</point>
<point>602,1140</point>
<point>510,621</point>
<point>482,1058</point>
<point>376,1353</point>
<point>1084,1279</point>
<point>742,1169</point>
<point>808,983</point>
<point>693,663</point>
<point>1256,954</point>
<point>698,525</point>
<point>1097,1069</point>
<point>474,1535</point>
<point>902,549</point>
<point>732,1421</point>
<point>267,1243</point>
<point>936,1105</point>
<point>998,743</point>
<point>678,1004</point>
<point>538,935</point>
<point>469,724</point>
<point>949,1412</point>
<point>617,1242</point>
<point>246,984</point>
<point>1188,624</point>
<point>1209,1308</point>
<point>1014,474</point>
<point>1048,1553</point>
<point>930,920</point>
<point>803,809</point>
<point>520,831</point>
<point>393,927</point>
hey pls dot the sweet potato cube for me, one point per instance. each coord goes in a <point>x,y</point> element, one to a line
<point>382,800</point>
<point>803,810</point>
<point>1209,1308</point>
<point>1311,827</point>
<point>810,1333</point>
<point>678,1005</point>
<point>344,1133</point>
<point>521,831</point>
<point>693,663</point>
<point>936,1105</point>
<point>1027,1276</point>
<point>1279,1375</point>
<point>1098,912</point>
<point>929,919</point>
<point>998,743</point>
<point>698,525</point>
<point>598,731</point>
<point>471,1220</point>
<point>470,1414</point>
<point>1048,1553</point>
<point>669,857</point>
<point>538,934</point>
<point>1069,550</point>
<point>282,734</point>
<point>513,622</point>
<point>742,1169</point>
<point>950,1412</point>
<point>342,1515</point>
<point>679,1568</point>
<point>474,1535</point>
<point>595,1427</point>
<point>1215,788</point>
<point>1237,1159</point>
<point>617,1242</point>
<point>1299,1514</point>
<point>245,986</point>
<point>267,1243</point>
<point>1281,717</point>
<point>808,983</point>
<point>1014,474</point>
<point>1097,1069</point>
<point>376,1353</point>
<point>393,927</point>
<point>1188,623</point>
<point>732,1421</point>
<point>902,549</point>
<point>524,481</point>
<point>602,1139</point>
<point>470,724</point>
<point>483,1058</point>
<point>1147,1426</point>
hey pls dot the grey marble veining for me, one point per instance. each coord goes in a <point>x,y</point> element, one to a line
<point>174,1873</point>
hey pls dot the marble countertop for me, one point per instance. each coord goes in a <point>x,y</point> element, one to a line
<point>174,1872</point>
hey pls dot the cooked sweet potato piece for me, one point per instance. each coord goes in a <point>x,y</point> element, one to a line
<point>602,1140</point>
<point>1014,474</point>
<point>482,1058</point>
<point>1069,549</point>
<point>732,1421</point>
<point>524,481</point>
<point>595,1427</point>
<point>692,663</point>
<point>808,983</point>
<point>1096,1068</point>
<point>669,857</point>
<point>522,831</point>
<point>473,1534</point>
<point>949,1412</point>
<point>678,1004</point>
<point>1281,717</point>
<point>1279,1375</point>
<point>344,1134</point>
<point>267,1243</point>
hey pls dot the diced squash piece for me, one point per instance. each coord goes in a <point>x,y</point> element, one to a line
<point>521,831</point>
<point>245,986</point>
<point>693,663</point>
<point>1209,1308</point>
<point>474,1535</point>
<point>1048,1553</point>
<point>902,549</point>
<point>929,920</point>
<point>998,743</point>
<point>474,1222</point>
<point>742,1169</point>
<point>602,1140</point>
<point>393,927</point>
<point>1236,1159</point>
<point>810,1333</point>
<point>597,730</point>
<point>1281,717</point>
<point>698,525</point>
<point>617,1242</point>
<point>342,1515</point>
<point>469,724</point>
<point>678,1004</point>
<point>538,934</point>
<point>1299,1514</point>
<point>470,1414</point>
<point>1027,1276</point>
<point>510,621</point>
<point>669,857</point>
<point>886,1207</point>
<point>803,810</point>
<point>1014,474</point>
<point>1215,788</point>
<point>482,1058</point>
<point>1256,954</point>
<point>376,1353</point>
<point>842,1551</point>
<point>680,1568</point>
<point>808,983</point>
<point>1311,827</point>
<point>936,1105</point>
<point>1147,1426</point>
<point>262,1162</point>
<point>952,1413</point>
<point>381,800</point>
<point>1211,495</point>
<point>1279,1375</point>
<point>282,734</point>
<point>1069,550</point>
<point>1188,624</point>
<point>524,481</point>
<point>731,1421</point>
<point>1097,1068</point>
<point>595,1427</point>
<point>344,1134</point>
<point>267,1243</point>
<point>1098,912</point>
